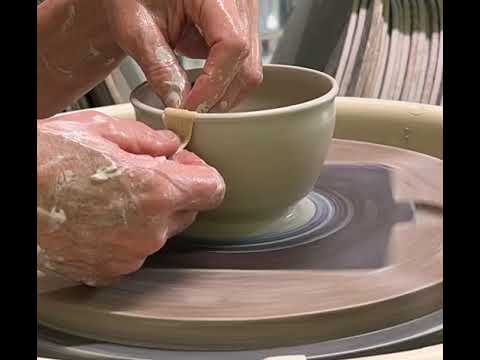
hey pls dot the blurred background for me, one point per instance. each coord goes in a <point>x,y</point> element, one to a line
<point>389,49</point>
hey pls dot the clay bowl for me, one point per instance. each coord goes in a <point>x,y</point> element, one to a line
<point>270,150</point>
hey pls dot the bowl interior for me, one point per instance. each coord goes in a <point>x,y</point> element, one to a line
<point>281,87</point>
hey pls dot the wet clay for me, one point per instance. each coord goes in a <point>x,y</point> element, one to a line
<point>181,123</point>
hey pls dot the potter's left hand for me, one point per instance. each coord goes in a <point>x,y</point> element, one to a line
<point>111,192</point>
<point>225,32</point>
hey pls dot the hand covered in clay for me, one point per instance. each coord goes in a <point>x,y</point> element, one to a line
<point>225,32</point>
<point>111,192</point>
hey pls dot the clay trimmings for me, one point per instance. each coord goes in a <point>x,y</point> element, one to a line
<point>181,123</point>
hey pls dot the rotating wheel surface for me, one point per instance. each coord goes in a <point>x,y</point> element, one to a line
<point>381,269</point>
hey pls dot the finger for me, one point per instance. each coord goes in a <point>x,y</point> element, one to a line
<point>192,44</point>
<point>137,138</point>
<point>242,86</point>
<point>231,98</point>
<point>226,36</point>
<point>137,241</point>
<point>164,186</point>
<point>141,38</point>
<point>166,76</point>
<point>117,268</point>
<point>181,221</point>
<point>188,158</point>
<point>250,75</point>
<point>131,136</point>
<point>192,187</point>
<point>72,120</point>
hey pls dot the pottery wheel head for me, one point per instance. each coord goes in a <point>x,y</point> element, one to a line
<point>369,239</point>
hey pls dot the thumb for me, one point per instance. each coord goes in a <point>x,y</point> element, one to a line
<point>137,138</point>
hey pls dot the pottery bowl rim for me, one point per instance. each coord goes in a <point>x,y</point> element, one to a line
<point>248,115</point>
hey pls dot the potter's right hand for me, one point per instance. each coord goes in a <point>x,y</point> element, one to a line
<point>224,32</point>
<point>112,192</point>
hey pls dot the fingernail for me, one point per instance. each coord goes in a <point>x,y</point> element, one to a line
<point>173,100</point>
<point>170,135</point>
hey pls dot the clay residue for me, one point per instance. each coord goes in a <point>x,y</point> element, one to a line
<point>106,173</point>
<point>92,50</point>
<point>55,217</point>
<point>177,84</point>
<point>202,108</point>
<point>67,25</point>
<point>109,61</point>
<point>164,55</point>
<point>224,105</point>
<point>52,67</point>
